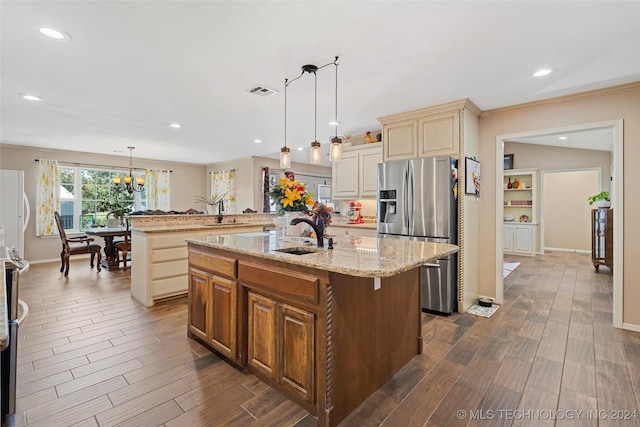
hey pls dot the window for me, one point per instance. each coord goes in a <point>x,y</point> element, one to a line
<point>87,196</point>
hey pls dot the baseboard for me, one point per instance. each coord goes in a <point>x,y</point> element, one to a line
<point>578,251</point>
<point>45,261</point>
<point>631,327</point>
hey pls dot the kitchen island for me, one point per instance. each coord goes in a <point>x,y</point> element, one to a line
<point>325,327</point>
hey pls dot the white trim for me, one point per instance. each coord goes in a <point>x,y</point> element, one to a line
<point>577,251</point>
<point>617,204</point>
<point>631,327</point>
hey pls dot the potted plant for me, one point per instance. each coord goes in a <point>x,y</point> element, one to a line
<point>211,202</point>
<point>601,199</point>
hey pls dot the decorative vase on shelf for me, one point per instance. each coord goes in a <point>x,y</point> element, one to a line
<point>280,222</point>
<point>509,185</point>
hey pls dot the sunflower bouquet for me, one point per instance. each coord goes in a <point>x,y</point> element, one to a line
<point>291,196</point>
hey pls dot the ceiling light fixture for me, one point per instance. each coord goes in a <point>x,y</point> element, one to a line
<point>31,97</point>
<point>138,184</point>
<point>542,72</point>
<point>257,141</point>
<point>315,154</point>
<point>175,125</point>
<point>54,34</point>
<point>563,138</point>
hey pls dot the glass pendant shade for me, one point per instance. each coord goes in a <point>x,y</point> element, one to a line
<point>335,152</point>
<point>315,154</point>
<point>285,157</point>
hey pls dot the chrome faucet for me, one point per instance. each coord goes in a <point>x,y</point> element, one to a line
<point>317,225</point>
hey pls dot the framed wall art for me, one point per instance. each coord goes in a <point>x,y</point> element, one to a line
<point>508,161</point>
<point>472,176</point>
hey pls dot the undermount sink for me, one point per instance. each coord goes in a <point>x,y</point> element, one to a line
<point>296,251</point>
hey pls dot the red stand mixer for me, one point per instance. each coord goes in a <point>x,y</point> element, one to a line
<point>354,213</point>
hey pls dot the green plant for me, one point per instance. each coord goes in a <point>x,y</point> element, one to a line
<point>603,195</point>
<point>213,200</point>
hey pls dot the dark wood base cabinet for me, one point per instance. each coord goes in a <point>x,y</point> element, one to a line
<point>325,340</point>
<point>602,238</point>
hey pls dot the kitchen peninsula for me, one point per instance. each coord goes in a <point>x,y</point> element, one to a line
<point>325,327</point>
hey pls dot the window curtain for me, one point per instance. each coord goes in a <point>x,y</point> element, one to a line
<point>224,182</point>
<point>47,197</point>
<point>158,193</point>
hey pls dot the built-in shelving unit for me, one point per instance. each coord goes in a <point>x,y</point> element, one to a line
<point>520,211</point>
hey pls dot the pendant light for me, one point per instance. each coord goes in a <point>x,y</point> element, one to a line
<point>315,153</point>
<point>335,152</point>
<point>132,183</point>
<point>285,152</point>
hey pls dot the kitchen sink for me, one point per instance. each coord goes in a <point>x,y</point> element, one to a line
<point>296,251</point>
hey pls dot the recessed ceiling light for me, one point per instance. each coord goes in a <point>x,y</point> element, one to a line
<point>300,148</point>
<point>31,97</point>
<point>563,138</point>
<point>257,141</point>
<point>542,72</point>
<point>54,34</point>
<point>175,125</point>
<point>333,123</point>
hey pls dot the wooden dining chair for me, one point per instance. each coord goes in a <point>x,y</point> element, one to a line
<point>75,246</point>
<point>124,247</point>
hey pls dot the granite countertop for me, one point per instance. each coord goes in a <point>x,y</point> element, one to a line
<point>4,321</point>
<point>165,228</point>
<point>355,256</point>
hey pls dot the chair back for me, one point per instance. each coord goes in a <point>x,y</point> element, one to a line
<point>63,235</point>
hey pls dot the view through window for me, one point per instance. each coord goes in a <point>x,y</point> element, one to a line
<point>87,196</point>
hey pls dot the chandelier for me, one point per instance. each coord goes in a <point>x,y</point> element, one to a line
<point>315,151</point>
<point>132,184</point>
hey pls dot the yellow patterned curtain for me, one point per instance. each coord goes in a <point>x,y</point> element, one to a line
<point>158,194</point>
<point>225,182</point>
<point>47,197</point>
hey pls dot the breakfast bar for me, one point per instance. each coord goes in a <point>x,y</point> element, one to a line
<point>326,327</point>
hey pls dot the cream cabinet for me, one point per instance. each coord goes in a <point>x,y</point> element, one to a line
<point>519,239</point>
<point>160,263</point>
<point>355,175</point>
<point>428,132</point>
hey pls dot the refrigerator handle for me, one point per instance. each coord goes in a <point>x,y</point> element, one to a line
<point>412,199</point>
<point>406,199</point>
<point>27,209</point>
<point>431,265</point>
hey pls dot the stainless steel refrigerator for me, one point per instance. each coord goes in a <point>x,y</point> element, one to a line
<point>417,200</point>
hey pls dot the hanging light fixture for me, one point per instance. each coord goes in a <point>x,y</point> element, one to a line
<point>132,184</point>
<point>285,152</point>
<point>335,152</point>
<point>315,153</point>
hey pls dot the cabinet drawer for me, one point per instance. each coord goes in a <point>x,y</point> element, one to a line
<point>171,286</point>
<point>293,284</point>
<point>170,254</point>
<point>169,269</point>
<point>214,263</point>
<point>169,241</point>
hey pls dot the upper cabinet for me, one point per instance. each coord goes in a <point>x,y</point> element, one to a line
<point>428,132</point>
<point>355,175</point>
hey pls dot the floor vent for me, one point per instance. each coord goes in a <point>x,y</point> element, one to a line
<point>262,90</point>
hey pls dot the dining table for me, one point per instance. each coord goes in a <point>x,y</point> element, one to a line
<point>110,260</point>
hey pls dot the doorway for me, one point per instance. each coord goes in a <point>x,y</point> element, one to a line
<point>615,129</point>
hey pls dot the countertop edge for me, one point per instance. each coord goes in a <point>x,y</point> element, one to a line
<point>197,227</point>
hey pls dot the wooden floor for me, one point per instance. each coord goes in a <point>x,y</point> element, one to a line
<point>89,355</point>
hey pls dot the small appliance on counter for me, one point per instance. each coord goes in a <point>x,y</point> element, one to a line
<point>354,213</point>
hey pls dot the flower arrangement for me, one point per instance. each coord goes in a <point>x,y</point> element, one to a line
<point>323,212</point>
<point>291,196</point>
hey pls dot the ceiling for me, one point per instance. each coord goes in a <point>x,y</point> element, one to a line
<point>132,67</point>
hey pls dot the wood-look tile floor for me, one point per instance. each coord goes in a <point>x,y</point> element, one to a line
<point>90,355</point>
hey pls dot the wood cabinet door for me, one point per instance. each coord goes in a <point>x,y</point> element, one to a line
<point>369,160</point>
<point>401,140</point>
<point>199,304</point>
<point>261,334</point>
<point>344,176</point>
<point>223,316</point>
<point>297,349</point>
<point>439,134</point>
